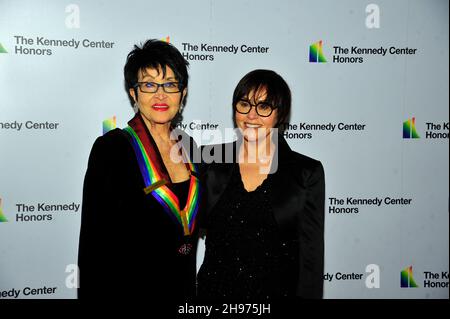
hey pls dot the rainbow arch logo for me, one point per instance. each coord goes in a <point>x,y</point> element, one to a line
<point>407,279</point>
<point>109,124</point>
<point>166,39</point>
<point>2,216</point>
<point>409,128</point>
<point>2,49</point>
<point>316,54</point>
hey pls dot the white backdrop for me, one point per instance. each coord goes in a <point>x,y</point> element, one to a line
<point>387,191</point>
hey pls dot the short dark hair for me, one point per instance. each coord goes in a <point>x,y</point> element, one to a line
<point>155,54</point>
<point>278,92</point>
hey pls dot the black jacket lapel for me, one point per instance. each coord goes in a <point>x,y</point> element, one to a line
<point>284,199</point>
<point>217,175</point>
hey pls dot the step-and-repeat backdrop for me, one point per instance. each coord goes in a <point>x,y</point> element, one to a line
<point>370,100</point>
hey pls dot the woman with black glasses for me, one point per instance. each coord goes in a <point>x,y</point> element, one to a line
<point>264,215</point>
<point>141,191</point>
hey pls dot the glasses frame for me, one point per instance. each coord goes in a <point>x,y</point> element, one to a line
<point>158,85</point>
<point>255,106</point>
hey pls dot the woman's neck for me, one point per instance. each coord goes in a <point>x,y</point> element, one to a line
<point>159,132</point>
<point>257,152</point>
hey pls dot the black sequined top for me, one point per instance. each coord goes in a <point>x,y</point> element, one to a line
<point>243,247</point>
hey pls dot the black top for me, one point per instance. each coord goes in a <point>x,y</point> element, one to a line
<point>296,200</point>
<point>181,190</point>
<point>129,246</point>
<point>243,248</point>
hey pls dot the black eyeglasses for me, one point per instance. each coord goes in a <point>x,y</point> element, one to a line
<point>262,109</point>
<point>152,87</point>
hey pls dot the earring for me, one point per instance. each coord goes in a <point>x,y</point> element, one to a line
<point>180,109</point>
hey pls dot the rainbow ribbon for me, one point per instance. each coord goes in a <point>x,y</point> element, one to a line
<point>157,186</point>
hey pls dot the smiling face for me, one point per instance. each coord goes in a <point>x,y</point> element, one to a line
<point>253,126</point>
<point>159,107</point>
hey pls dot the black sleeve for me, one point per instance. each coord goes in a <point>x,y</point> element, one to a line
<point>311,237</point>
<point>97,202</point>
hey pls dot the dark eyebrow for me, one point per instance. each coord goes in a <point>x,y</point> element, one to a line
<point>144,75</point>
<point>147,76</point>
<point>245,98</point>
<point>171,79</point>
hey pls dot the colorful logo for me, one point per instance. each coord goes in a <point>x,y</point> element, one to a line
<point>316,54</point>
<point>409,129</point>
<point>407,279</point>
<point>109,124</point>
<point>2,49</point>
<point>2,217</point>
<point>166,39</point>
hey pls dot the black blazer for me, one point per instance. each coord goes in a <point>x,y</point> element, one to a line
<point>128,244</point>
<point>298,201</point>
